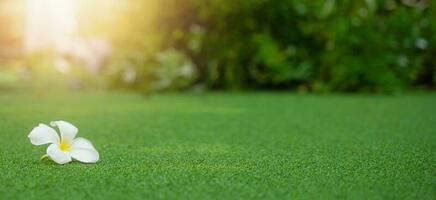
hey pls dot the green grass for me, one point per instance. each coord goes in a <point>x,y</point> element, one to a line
<point>225,146</point>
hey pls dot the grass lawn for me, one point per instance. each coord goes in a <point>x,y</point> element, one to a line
<point>225,146</point>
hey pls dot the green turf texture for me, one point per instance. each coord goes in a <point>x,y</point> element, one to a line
<point>224,146</point>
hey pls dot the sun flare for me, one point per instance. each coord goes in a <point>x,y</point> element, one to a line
<point>50,23</point>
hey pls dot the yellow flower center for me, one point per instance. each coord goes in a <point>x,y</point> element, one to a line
<point>64,146</point>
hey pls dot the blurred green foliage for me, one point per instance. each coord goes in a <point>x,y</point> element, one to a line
<point>318,45</point>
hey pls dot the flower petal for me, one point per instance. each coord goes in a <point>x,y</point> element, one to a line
<point>82,143</point>
<point>83,151</point>
<point>68,131</point>
<point>43,134</point>
<point>57,155</point>
<point>85,155</point>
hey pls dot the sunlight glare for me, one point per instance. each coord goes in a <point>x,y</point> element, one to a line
<point>51,24</point>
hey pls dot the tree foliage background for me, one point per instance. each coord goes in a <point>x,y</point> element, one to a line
<point>317,45</point>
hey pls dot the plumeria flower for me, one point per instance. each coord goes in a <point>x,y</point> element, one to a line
<point>62,150</point>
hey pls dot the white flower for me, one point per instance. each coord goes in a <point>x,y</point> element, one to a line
<point>63,149</point>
